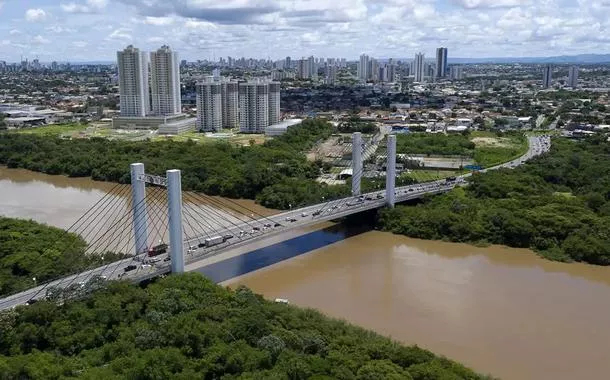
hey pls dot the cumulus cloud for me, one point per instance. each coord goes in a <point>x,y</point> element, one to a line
<point>89,6</point>
<point>40,40</point>
<point>35,15</point>
<point>120,34</point>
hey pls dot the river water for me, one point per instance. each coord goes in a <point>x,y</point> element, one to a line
<point>499,310</point>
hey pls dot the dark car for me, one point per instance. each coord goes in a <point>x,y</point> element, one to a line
<point>31,302</point>
<point>168,258</point>
<point>130,268</point>
<point>277,225</point>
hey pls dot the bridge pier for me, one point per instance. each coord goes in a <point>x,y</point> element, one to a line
<point>174,205</point>
<point>356,162</point>
<point>390,180</point>
<point>138,195</point>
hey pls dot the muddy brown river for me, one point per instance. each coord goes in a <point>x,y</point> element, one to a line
<point>499,310</point>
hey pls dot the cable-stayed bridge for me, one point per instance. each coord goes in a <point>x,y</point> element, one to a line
<point>199,227</point>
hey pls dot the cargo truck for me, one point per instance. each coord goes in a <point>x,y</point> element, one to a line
<point>214,240</point>
<point>157,250</point>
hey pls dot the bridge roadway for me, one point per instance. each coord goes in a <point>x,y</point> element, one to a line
<point>288,220</point>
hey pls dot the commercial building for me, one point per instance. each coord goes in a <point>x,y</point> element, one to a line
<point>229,94</point>
<point>547,76</point>
<point>165,82</point>
<point>573,77</point>
<point>419,67</point>
<point>209,105</point>
<point>133,82</point>
<point>441,62</point>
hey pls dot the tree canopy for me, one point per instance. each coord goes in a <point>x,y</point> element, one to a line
<point>31,253</point>
<point>217,168</point>
<point>557,204</point>
<point>185,327</point>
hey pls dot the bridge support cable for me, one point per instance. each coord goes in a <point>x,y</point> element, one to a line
<point>227,203</point>
<point>97,229</point>
<point>114,197</point>
<point>157,220</point>
<point>211,202</point>
<point>206,212</point>
<point>202,220</point>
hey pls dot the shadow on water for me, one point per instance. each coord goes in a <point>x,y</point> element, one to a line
<point>273,254</point>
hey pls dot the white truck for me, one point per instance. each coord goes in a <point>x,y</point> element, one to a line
<point>214,240</point>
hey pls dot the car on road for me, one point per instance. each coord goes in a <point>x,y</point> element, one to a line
<point>227,236</point>
<point>168,258</point>
<point>316,213</point>
<point>304,214</point>
<point>129,268</point>
<point>31,301</point>
<point>292,219</point>
<point>277,225</point>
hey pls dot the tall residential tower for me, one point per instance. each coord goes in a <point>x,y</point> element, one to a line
<point>209,105</point>
<point>165,82</point>
<point>133,82</point>
<point>547,76</point>
<point>573,76</point>
<point>441,62</point>
<point>419,68</point>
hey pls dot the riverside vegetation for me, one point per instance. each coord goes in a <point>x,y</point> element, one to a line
<point>557,204</point>
<point>31,252</point>
<point>185,327</point>
<point>276,173</point>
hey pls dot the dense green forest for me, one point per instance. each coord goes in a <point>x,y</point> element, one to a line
<point>185,327</point>
<point>30,250</point>
<point>217,168</point>
<point>557,204</point>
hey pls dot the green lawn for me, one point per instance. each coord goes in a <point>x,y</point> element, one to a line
<point>491,149</point>
<point>55,129</point>
<point>429,175</point>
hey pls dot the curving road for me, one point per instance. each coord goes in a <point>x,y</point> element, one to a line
<point>243,233</point>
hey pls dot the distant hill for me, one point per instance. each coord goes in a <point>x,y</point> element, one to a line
<point>577,59</point>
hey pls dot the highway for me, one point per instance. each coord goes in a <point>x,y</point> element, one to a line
<point>243,233</point>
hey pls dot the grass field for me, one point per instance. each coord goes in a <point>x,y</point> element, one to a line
<point>491,149</point>
<point>429,175</point>
<point>55,129</point>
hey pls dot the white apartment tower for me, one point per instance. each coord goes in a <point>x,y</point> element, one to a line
<point>253,106</point>
<point>573,77</point>
<point>547,76</point>
<point>441,62</point>
<point>230,104</point>
<point>133,82</point>
<point>456,73</point>
<point>274,103</point>
<point>165,82</point>
<point>209,105</point>
<point>419,67</point>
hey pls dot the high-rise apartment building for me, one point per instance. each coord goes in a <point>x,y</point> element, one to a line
<point>274,103</point>
<point>209,105</point>
<point>253,106</point>
<point>573,77</point>
<point>165,82</point>
<point>391,69</point>
<point>229,94</point>
<point>133,82</point>
<point>303,71</point>
<point>363,68</point>
<point>419,67</point>
<point>441,62</point>
<point>456,73</point>
<point>312,68</point>
<point>287,62</point>
<point>547,76</point>
<point>331,74</point>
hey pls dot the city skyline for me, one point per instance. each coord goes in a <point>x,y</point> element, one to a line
<point>90,30</point>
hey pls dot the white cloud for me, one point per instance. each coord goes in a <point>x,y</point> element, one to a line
<point>40,40</point>
<point>159,21</point>
<point>13,32</point>
<point>155,40</point>
<point>35,15</point>
<point>89,6</point>
<point>80,44</point>
<point>120,34</point>
<point>470,4</point>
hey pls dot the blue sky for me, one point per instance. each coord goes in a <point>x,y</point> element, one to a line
<point>91,30</point>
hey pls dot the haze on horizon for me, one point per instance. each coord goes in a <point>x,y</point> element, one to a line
<point>93,30</point>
